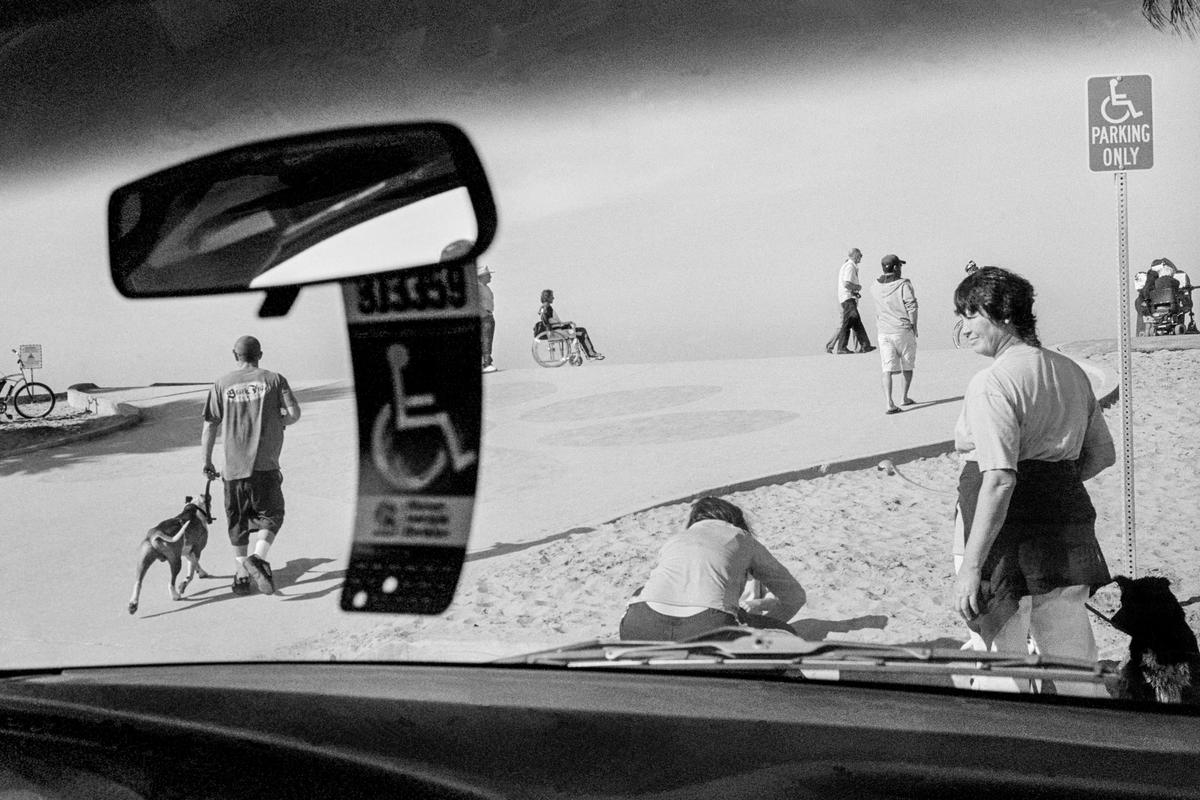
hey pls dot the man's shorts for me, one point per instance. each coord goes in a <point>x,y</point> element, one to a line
<point>254,504</point>
<point>898,351</point>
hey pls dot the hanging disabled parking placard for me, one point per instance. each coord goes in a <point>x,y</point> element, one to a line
<point>1120,123</point>
<point>414,340</point>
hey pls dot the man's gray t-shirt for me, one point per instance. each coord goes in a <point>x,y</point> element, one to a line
<point>248,403</point>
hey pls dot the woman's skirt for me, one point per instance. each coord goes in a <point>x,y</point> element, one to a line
<point>1048,539</point>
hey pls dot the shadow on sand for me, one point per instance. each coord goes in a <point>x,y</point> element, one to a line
<point>816,630</point>
<point>503,549</point>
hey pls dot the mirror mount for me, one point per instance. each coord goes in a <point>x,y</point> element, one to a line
<point>278,301</point>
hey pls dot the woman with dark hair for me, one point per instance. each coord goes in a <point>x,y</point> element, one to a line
<point>701,575</point>
<point>549,321</point>
<point>1030,433</point>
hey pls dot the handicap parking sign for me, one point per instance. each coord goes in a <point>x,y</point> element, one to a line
<point>1120,123</point>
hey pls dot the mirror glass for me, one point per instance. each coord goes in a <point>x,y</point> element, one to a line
<point>300,210</point>
<point>412,234</point>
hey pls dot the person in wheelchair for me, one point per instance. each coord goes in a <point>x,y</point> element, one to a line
<point>1169,306</point>
<point>549,321</point>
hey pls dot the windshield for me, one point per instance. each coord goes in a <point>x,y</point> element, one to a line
<point>853,270</point>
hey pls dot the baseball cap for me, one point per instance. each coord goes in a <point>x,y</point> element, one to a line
<point>457,248</point>
<point>890,262</point>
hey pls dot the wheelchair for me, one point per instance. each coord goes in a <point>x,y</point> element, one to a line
<point>557,346</point>
<point>1169,310</point>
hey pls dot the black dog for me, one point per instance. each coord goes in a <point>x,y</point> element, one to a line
<point>1164,661</point>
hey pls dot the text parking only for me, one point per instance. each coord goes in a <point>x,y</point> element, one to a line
<point>1120,123</point>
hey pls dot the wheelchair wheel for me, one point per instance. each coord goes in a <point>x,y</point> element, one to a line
<point>576,360</point>
<point>551,349</point>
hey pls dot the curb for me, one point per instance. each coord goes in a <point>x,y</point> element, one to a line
<point>1109,388</point>
<point>114,423</point>
<point>109,416</point>
<point>808,473</point>
<point>79,396</point>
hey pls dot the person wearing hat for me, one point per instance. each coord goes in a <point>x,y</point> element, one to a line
<point>487,300</point>
<point>896,328</point>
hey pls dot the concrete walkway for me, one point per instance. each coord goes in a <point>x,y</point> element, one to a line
<point>570,448</point>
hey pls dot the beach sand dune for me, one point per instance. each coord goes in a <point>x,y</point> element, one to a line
<point>873,550</point>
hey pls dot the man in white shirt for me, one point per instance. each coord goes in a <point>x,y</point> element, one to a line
<point>848,292</point>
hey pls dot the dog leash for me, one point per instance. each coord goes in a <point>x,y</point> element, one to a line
<point>208,517</point>
<point>1093,609</point>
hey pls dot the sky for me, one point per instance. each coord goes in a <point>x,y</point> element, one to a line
<point>688,185</point>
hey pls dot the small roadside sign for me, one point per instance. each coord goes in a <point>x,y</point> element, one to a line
<point>30,355</point>
<point>1120,123</point>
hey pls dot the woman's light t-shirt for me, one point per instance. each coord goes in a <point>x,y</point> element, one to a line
<point>1030,403</point>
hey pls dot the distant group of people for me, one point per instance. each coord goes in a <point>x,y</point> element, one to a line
<point>1026,554</point>
<point>547,319</point>
<point>895,322</point>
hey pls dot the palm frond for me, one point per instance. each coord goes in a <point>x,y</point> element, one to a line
<point>1177,16</point>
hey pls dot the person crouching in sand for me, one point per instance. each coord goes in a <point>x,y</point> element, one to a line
<point>701,574</point>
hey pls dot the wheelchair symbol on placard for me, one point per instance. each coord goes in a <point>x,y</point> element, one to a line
<point>1117,99</point>
<point>412,443</point>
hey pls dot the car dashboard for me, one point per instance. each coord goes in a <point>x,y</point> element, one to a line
<point>373,730</point>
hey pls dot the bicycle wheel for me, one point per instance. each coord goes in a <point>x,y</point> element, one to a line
<point>551,349</point>
<point>33,400</point>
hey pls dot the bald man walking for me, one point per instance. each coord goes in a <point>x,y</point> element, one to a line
<point>250,406</point>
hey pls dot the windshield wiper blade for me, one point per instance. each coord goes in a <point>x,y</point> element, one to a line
<point>735,649</point>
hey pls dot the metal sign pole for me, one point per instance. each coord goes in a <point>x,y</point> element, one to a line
<point>1123,348</point>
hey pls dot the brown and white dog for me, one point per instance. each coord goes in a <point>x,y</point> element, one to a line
<point>180,537</point>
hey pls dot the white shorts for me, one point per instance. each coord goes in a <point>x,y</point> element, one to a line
<point>898,351</point>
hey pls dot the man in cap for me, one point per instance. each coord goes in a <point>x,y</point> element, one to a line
<point>896,327</point>
<point>487,300</point>
<point>250,407</point>
<point>849,290</point>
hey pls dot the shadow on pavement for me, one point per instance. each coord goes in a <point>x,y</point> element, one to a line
<point>929,403</point>
<point>287,578</point>
<point>170,426</point>
<point>173,425</point>
<point>330,391</point>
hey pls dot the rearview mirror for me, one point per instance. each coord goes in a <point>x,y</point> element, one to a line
<point>301,210</point>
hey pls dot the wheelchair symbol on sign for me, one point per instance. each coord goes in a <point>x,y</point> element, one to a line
<point>417,465</point>
<point>1117,99</point>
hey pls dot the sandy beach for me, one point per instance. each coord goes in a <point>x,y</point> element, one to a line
<point>872,550</point>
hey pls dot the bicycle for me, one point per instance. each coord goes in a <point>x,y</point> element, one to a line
<point>30,399</point>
